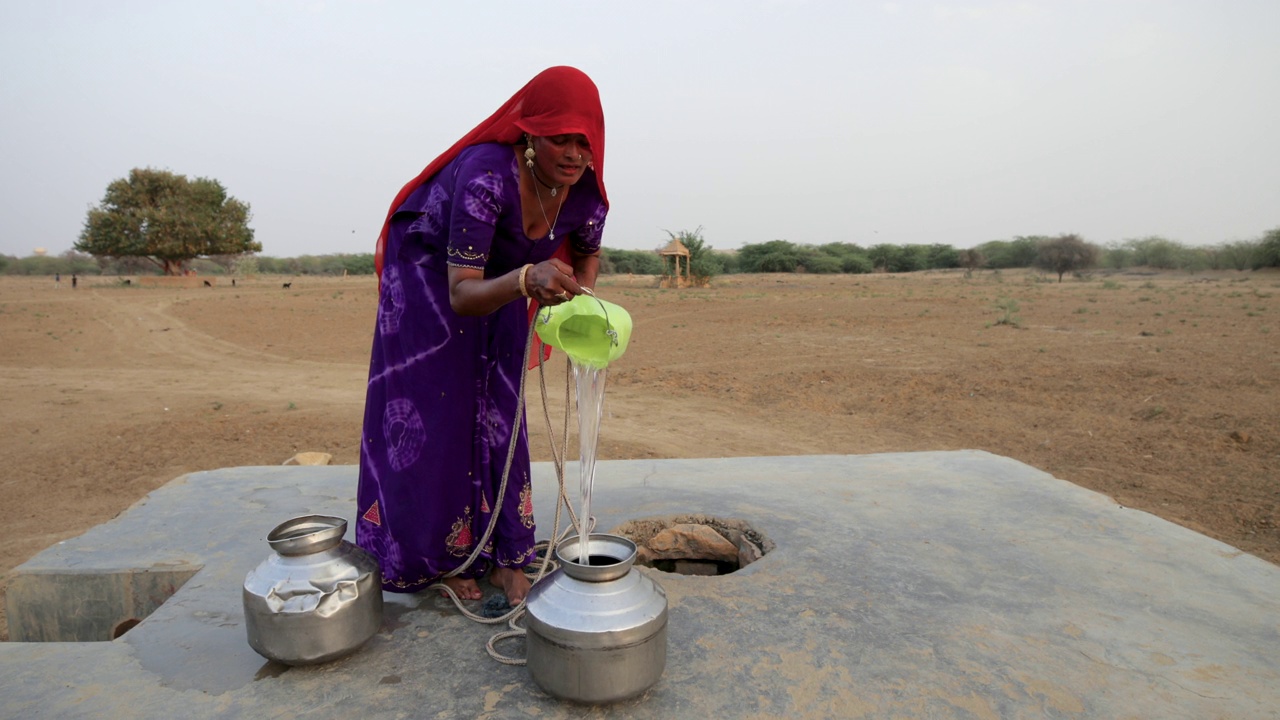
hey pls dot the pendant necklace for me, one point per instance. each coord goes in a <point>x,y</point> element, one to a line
<point>551,224</point>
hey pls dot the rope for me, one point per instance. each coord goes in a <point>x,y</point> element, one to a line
<point>547,547</point>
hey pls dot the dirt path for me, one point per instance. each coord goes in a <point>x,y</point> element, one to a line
<point>1159,390</point>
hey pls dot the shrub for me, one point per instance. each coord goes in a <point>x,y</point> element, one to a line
<point>821,264</point>
<point>856,264</point>
<point>781,262</point>
<point>1117,257</point>
<point>1066,253</point>
<point>1155,251</point>
<point>780,254</point>
<point>1269,249</point>
<point>899,258</point>
<point>1239,255</point>
<point>638,262</point>
<point>852,259</point>
<point>941,257</point>
<point>1008,308</point>
<point>1017,253</point>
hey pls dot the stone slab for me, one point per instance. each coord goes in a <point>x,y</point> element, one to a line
<point>940,585</point>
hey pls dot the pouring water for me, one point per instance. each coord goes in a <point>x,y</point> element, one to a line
<point>593,333</point>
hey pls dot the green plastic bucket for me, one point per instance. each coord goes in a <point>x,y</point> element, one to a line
<point>589,330</point>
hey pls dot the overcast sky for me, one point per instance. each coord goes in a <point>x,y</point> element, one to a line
<point>865,122</point>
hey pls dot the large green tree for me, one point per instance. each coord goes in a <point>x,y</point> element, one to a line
<point>167,219</point>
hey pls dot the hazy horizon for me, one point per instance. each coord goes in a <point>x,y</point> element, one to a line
<point>812,122</point>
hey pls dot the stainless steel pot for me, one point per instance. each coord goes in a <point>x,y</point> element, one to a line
<point>316,598</point>
<point>596,633</point>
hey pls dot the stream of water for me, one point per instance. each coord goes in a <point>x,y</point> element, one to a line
<point>590,385</point>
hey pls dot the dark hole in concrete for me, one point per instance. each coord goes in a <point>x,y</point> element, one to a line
<point>696,567</point>
<point>124,627</point>
<point>695,544</point>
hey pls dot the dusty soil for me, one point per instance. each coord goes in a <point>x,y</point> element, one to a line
<point>1159,390</point>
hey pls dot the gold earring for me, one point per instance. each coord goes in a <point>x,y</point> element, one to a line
<point>529,154</point>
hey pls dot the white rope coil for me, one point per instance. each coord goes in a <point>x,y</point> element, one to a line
<point>547,547</point>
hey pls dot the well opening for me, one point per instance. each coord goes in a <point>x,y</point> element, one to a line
<point>695,544</point>
<point>88,606</point>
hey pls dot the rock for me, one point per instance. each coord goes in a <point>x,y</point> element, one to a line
<point>692,542</point>
<point>309,458</point>
<point>1240,436</point>
<point>644,556</point>
<point>639,531</point>
<point>747,553</point>
<point>733,535</point>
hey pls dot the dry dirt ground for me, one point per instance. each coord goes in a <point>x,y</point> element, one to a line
<point>1159,390</point>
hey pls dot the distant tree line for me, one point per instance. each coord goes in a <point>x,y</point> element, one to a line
<point>156,221</point>
<point>1059,254</point>
<point>85,264</point>
<point>1065,253</point>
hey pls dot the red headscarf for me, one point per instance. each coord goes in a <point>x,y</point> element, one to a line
<point>557,101</point>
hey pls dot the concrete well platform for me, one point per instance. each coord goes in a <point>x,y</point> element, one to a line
<point>922,585</point>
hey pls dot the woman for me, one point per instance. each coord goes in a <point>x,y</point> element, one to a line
<point>511,214</point>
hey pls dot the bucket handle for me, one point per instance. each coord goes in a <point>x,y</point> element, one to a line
<point>608,326</point>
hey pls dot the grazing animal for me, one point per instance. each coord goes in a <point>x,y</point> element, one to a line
<point>208,284</point>
<point>287,285</point>
<point>128,282</point>
<point>233,282</point>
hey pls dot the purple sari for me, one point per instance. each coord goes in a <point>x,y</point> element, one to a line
<point>442,392</point>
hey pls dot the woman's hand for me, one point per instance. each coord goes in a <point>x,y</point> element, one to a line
<point>551,282</point>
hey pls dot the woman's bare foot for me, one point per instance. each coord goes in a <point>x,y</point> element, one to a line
<point>464,588</point>
<point>512,581</point>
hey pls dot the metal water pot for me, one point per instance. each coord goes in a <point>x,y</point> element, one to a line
<point>598,632</point>
<point>316,598</point>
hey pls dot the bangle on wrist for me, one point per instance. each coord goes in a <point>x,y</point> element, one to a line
<point>524,291</point>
